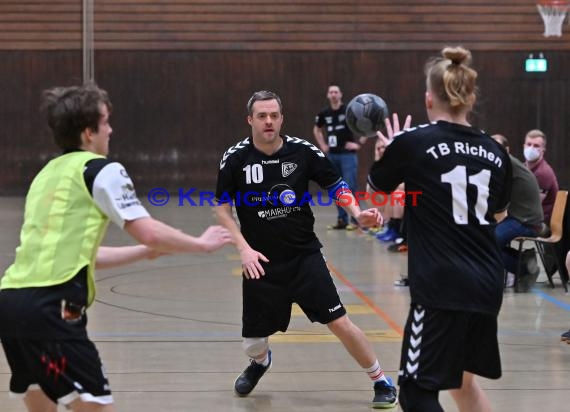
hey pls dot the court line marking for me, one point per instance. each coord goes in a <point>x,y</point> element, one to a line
<point>383,315</point>
<point>551,299</point>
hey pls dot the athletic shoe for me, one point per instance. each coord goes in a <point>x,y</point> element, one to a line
<point>351,227</point>
<point>400,247</point>
<point>245,382</point>
<point>376,230</point>
<point>510,281</point>
<point>389,236</point>
<point>340,225</point>
<point>565,337</point>
<point>385,395</point>
<point>403,281</point>
<point>530,263</point>
<point>529,272</point>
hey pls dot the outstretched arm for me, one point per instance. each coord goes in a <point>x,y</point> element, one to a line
<point>249,257</point>
<point>109,256</point>
<point>163,238</point>
<point>366,218</point>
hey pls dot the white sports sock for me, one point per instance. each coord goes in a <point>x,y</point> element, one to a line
<point>263,362</point>
<point>376,373</point>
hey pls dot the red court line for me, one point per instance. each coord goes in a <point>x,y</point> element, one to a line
<point>383,315</point>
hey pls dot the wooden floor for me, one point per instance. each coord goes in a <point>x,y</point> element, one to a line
<point>169,330</point>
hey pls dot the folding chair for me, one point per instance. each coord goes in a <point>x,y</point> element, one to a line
<point>556,225</point>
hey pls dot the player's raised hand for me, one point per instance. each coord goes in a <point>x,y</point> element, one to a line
<point>214,237</point>
<point>393,127</point>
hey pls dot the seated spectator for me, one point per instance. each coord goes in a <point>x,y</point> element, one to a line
<point>524,218</point>
<point>566,335</point>
<point>534,149</point>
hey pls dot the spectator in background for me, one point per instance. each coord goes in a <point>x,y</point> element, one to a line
<point>566,335</point>
<point>534,149</point>
<point>393,211</point>
<point>524,218</point>
<point>336,140</point>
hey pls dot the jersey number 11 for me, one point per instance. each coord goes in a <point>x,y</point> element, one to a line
<point>459,180</point>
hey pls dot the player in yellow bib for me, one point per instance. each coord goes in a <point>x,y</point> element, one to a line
<point>45,292</point>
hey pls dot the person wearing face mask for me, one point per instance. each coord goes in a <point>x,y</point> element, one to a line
<point>534,149</point>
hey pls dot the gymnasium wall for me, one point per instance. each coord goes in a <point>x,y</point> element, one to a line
<point>179,73</point>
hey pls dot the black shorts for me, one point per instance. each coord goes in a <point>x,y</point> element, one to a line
<point>305,280</point>
<point>64,370</point>
<point>439,345</point>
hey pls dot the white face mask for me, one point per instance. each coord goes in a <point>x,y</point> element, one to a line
<point>531,153</point>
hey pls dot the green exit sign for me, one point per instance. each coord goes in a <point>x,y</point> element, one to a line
<point>536,65</point>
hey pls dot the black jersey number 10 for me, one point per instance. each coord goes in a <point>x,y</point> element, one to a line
<point>253,173</point>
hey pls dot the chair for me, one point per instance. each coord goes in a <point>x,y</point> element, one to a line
<point>556,225</point>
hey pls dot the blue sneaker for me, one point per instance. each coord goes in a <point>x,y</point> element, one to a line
<point>245,382</point>
<point>385,395</point>
<point>389,236</point>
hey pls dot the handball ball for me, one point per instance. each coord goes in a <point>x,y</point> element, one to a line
<point>365,114</point>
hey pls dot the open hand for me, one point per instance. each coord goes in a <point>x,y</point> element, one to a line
<point>250,258</point>
<point>214,237</point>
<point>393,128</point>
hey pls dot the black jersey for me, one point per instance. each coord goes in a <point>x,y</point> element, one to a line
<point>270,194</point>
<point>461,177</point>
<point>337,132</point>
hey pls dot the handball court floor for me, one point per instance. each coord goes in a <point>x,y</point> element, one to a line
<point>169,330</point>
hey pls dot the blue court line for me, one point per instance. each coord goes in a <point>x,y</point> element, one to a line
<point>549,298</point>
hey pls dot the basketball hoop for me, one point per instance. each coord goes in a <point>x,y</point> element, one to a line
<point>553,13</point>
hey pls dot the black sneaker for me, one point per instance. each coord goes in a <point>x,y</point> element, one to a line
<point>565,337</point>
<point>530,263</point>
<point>340,225</point>
<point>401,247</point>
<point>245,382</point>
<point>529,271</point>
<point>385,395</point>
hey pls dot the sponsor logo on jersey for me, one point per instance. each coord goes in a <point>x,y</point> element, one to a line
<point>270,162</point>
<point>128,197</point>
<point>287,197</point>
<point>287,168</point>
<point>277,212</point>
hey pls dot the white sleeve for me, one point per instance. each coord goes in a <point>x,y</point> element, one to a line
<point>114,193</point>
